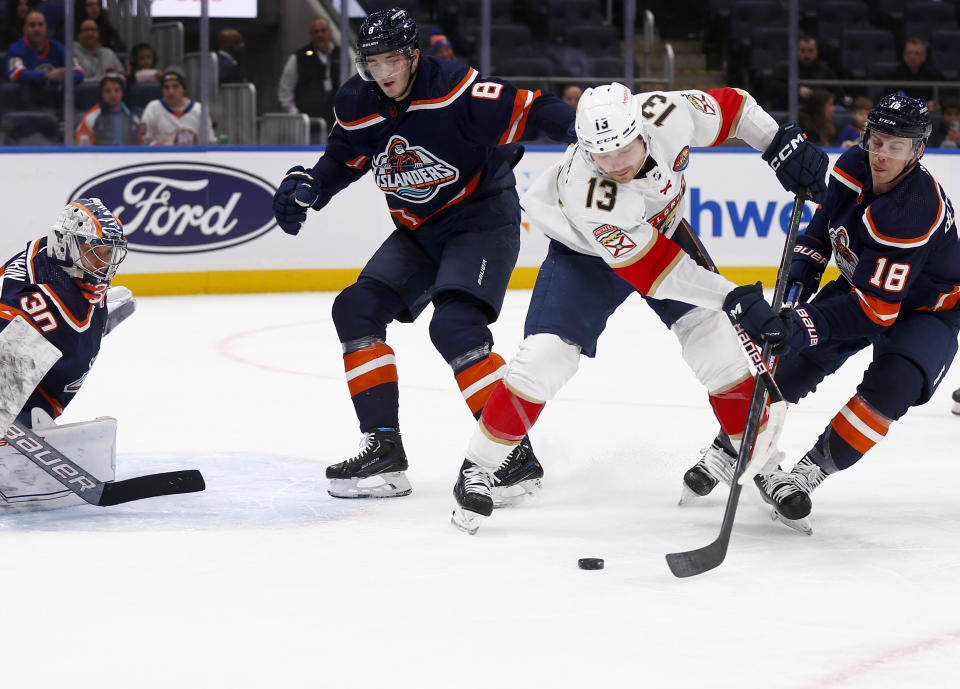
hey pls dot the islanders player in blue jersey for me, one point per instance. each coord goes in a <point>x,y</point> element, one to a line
<point>890,228</point>
<point>440,140</point>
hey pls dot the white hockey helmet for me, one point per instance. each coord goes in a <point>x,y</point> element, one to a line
<point>87,239</point>
<point>607,118</point>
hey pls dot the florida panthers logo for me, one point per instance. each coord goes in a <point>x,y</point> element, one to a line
<point>410,172</point>
<point>846,259</point>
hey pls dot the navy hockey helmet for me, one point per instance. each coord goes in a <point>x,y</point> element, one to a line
<point>385,31</point>
<point>901,116</point>
<point>87,240</point>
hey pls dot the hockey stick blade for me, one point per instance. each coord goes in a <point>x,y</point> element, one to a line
<point>690,563</point>
<point>151,486</point>
<point>92,490</point>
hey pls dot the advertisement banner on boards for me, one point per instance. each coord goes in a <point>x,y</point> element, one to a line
<point>187,211</point>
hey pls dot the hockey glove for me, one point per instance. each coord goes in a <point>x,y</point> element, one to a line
<point>797,162</point>
<point>298,191</point>
<point>804,332</point>
<point>809,260</point>
<point>746,306</point>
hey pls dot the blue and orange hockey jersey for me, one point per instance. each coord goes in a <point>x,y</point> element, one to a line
<point>69,313</point>
<point>900,251</point>
<point>439,147</point>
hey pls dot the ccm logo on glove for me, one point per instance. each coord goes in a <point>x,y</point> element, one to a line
<point>785,152</point>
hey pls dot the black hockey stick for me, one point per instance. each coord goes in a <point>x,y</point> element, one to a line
<point>89,487</point>
<point>692,562</point>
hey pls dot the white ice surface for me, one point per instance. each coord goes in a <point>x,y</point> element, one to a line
<point>266,581</point>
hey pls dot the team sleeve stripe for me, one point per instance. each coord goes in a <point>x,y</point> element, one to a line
<point>846,179</point>
<point>904,243</point>
<point>432,103</point>
<point>652,264</point>
<point>879,311</point>
<point>367,121</point>
<point>731,103</point>
<point>518,118</point>
<point>77,325</point>
<point>358,162</point>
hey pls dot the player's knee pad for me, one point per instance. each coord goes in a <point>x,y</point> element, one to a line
<point>711,348</point>
<point>459,325</point>
<point>364,309</point>
<point>91,444</point>
<point>891,385</point>
<point>543,365</point>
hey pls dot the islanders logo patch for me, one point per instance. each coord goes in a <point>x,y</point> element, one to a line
<point>683,158</point>
<point>411,173</point>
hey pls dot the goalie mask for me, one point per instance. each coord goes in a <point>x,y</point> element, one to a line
<point>87,241</point>
<point>609,130</point>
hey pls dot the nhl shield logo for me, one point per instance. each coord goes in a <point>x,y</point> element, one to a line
<point>411,173</point>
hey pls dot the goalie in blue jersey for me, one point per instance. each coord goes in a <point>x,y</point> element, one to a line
<point>56,304</point>
<point>441,141</point>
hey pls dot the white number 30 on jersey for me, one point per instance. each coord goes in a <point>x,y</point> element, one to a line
<point>486,89</point>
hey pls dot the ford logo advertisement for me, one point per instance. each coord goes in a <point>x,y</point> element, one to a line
<point>184,208</point>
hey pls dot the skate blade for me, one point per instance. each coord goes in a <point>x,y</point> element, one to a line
<point>799,525</point>
<point>466,521</point>
<point>510,496</point>
<point>389,485</point>
<point>687,496</point>
<point>956,408</point>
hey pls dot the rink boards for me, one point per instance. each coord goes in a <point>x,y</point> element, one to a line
<point>201,220</point>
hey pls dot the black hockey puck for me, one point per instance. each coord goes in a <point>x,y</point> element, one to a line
<point>590,563</point>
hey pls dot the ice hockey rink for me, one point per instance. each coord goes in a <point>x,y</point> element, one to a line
<point>263,580</point>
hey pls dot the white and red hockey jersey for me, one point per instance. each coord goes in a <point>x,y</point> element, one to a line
<point>161,125</point>
<point>628,225</point>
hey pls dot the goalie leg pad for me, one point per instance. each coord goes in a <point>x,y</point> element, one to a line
<point>91,444</point>
<point>25,358</point>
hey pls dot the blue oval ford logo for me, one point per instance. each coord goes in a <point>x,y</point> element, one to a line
<point>184,207</point>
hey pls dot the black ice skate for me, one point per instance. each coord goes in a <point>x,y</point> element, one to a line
<point>519,476</point>
<point>377,471</point>
<point>789,493</point>
<point>716,464</point>
<point>956,401</point>
<point>473,495</point>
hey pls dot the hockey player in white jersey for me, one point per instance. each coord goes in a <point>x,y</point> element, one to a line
<point>611,208</point>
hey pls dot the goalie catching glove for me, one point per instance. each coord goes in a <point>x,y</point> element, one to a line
<point>798,163</point>
<point>746,306</point>
<point>297,192</point>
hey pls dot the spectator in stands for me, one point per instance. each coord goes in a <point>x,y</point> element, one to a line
<point>809,66</point>
<point>109,122</point>
<point>93,57</point>
<point>230,48</point>
<point>93,9</point>
<point>174,119</point>
<point>850,134</point>
<point>947,133</point>
<point>142,65</point>
<point>14,19</point>
<point>816,118</point>
<point>441,47</point>
<point>570,94</point>
<point>311,75</point>
<point>914,67</point>
<point>36,61</point>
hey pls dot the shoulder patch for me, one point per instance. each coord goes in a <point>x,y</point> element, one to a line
<point>614,240</point>
<point>683,158</point>
<point>701,102</point>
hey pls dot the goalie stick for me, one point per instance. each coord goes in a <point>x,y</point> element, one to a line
<point>693,562</point>
<point>89,487</point>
